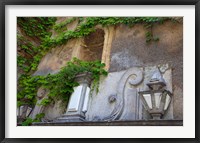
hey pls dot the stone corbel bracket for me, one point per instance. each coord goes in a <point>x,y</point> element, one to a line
<point>134,77</point>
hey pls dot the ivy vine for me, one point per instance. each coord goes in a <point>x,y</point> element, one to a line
<point>63,25</point>
<point>28,121</point>
<point>36,26</point>
<point>60,85</point>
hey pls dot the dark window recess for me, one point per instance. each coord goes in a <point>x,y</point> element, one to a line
<point>92,47</point>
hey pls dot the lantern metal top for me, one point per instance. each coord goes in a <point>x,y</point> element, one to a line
<point>156,82</point>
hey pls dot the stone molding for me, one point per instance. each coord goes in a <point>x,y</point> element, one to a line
<point>116,123</point>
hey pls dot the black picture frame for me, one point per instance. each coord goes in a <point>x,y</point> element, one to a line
<point>3,4</point>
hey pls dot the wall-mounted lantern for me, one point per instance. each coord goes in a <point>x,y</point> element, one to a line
<point>156,100</point>
<point>23,112</point>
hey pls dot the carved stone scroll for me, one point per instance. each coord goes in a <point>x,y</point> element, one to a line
<point>127,95</point>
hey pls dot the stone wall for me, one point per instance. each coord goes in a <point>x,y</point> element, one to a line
<point>125,48</point>
<point>129,49</point>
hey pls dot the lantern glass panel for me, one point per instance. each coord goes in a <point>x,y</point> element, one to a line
<point>18,112</point>
<point>167,101</point>
<point>28,111</point>
<point>157,99</point>
<point>21,108</point>
<point>147,98</point>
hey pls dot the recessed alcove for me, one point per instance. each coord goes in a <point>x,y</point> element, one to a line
<point>92,46</point>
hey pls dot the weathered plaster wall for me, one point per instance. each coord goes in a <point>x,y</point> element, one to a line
<point>124,48</point>
<point>130,49</point>
<point>57,58</point>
